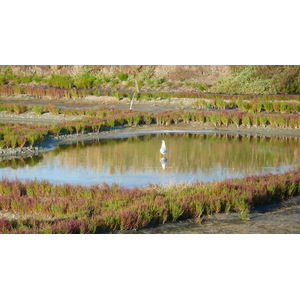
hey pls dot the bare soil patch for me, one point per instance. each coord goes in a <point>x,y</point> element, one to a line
<point>30,117</point>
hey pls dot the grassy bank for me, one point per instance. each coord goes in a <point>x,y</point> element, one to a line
<point>53,93</point>
<point>260,80</point>
<point>96,120</point>
<point>42,207</point>
<point>254,79</point>
<point>261,104</point>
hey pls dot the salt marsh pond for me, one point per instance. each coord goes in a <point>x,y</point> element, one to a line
<point>136,161</point>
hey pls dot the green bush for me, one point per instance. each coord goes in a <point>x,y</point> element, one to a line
<point>259,80</point>
<point>284,107</point>
<point>147,74</point>
<point>200,86</point>
<point>2,80</point>
<point>101,78</point>
<point>37,109</point>
<point>25,79</point>
<point>59,80</point>
<point>34,138</point>
<point>263,121</point>
<point>85,79</point>
<point>116,94</point>
<point>158,81</point>
<point>20,108</point>
<point>122,76</point>
<point>276,106</point>
<point>37,78</point>
<point>53,109</point>
<point>267,106</point>
<point>247,121</point>
<point>6,73</point>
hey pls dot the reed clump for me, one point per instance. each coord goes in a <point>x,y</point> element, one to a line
<point>60,87</point>
<point>46,208</point>
<point>95,120</point>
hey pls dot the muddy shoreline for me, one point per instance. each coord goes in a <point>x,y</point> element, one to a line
<point>279,217</point>
<point>154,106</point>
<point>51,142</point>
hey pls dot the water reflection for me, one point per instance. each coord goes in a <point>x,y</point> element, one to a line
<point>21,162</point>
<point>163,162</point>
<point>137,161</point>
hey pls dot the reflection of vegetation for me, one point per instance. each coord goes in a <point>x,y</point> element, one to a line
<point>21,162</point>
<point>34,160</point>
<point>188,153</point>
<point>14,135</point>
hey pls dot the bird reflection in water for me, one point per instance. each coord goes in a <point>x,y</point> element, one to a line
<point>163,162</point>
<point>163,150</point>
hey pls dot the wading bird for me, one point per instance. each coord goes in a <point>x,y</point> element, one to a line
<point>163,149</point>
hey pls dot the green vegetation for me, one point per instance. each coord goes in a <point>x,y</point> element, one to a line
<point>6,74</point>
<point>16,135</point>
<point>242,80</point>
<point>58,80</point>
<point>122,76</point>
<point>260,80</point>
<point>255,106</point>
<point>42,207</point>
<point>86,79</point>
<point>37,109</point>
<point>13,135</point>
<point>200,86</point>
<point>74,93</point>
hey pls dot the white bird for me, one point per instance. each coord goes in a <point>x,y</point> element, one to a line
<point>163,149</point>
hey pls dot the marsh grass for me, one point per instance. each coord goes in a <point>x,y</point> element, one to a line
<point>96,119</point>
<point>37,109</point>
<point>77,209</point>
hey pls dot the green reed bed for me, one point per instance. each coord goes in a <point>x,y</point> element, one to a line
<point>17,135</point>
<point>41,207</point>
<point>66,91</point>
<point>254,106</point>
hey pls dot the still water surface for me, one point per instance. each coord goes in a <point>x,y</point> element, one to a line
<point>136,161</point>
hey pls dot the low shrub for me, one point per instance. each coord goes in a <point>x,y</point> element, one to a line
<point>79,209</point>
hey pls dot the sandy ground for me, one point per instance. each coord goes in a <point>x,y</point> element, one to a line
<point>90,102</point>
<point>30,117</point>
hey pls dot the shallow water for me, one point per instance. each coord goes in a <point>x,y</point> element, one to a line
<point>136,161</point>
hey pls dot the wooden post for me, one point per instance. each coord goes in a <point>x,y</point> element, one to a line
<point>131,102</point>
<point>137,90</point>
<point>137,86</point>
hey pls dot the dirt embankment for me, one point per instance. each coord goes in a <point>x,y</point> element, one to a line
<point>208,74</point>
